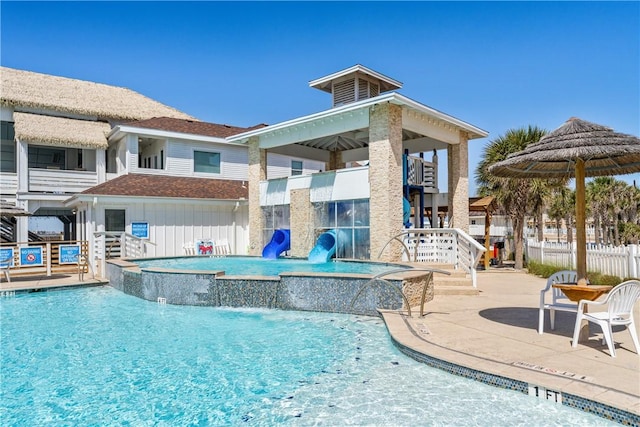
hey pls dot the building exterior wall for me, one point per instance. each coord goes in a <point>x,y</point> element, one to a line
<point>279,166</point>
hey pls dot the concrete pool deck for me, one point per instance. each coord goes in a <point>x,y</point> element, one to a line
<point>496,333</point>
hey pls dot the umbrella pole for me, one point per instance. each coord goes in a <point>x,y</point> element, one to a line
<point>581,235</point>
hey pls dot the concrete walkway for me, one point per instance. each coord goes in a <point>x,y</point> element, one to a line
<point>496,332</point>
<point>35,282</point>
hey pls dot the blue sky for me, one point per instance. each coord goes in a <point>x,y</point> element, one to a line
<point>496,65</point>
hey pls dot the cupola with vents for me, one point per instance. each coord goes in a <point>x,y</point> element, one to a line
<point>355,84</point>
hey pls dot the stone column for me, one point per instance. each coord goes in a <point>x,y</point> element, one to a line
<point>335,161</point>
<point>385,180</point>
<point>257,173</point>
<point>302,235</point>
<point>458,171</point>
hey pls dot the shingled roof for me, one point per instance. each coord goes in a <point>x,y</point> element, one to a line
<point>140,185</point>
<point>193,127</point>
<point>27,89</point>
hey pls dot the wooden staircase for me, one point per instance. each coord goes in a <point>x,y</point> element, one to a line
<point>457,283</point>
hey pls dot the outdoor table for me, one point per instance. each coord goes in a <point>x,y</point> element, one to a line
<point>578,292</point>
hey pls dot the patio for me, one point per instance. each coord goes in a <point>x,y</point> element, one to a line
<point>496,333</point>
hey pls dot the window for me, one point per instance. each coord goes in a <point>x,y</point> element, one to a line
<point>350,220</point>
<point>206,162</point>
<point>275,217</point>
<point>7,148</point>
<point>46,157</point>
<point>114,219</point>
<point>296,167</point>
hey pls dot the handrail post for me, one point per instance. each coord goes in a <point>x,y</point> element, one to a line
<point>48,247</point>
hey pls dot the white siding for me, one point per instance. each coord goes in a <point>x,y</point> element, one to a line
<point>233,159</point>
<point>171,225</point>
<point>279,166</point>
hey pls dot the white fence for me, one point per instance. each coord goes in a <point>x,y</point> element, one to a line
<point>621,261</point>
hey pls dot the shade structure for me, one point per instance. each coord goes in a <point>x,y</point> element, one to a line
<point>577,149</point>
<point>11,210</point>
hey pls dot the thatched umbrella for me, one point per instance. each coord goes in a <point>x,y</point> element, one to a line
<point>577,149</point>
<point>11,210</point>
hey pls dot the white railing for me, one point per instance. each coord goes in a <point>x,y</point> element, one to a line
<point>109,245</point>
<point>442,246</point>
<point>621,261</point>
<point>61,181</point>
<point>9,183</point>
<point>422,173</point>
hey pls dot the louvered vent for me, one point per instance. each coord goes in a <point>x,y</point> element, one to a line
<point>363,89</point>
<point>374,90</point>
<point>344,92</point>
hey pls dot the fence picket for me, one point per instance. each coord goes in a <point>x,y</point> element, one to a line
<point>621,261</point>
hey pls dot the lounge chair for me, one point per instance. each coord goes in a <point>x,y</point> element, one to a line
<point>559,300</point>
<point>621,301</point>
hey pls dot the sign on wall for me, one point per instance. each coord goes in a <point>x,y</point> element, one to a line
<point>69,254</point>
<point>204,247</point>
<point>140,229</point>
<point>6,253</point>
<point>31,256</point>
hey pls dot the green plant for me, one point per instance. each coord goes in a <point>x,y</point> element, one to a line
<point>595,278</point>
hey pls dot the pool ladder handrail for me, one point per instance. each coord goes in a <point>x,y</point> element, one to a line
<point>379,277</point>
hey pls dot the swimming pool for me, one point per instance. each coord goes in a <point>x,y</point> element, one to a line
<point>245,266</point>
<point>96,356</point>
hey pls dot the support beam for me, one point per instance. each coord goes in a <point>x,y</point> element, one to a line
<point>257,173</point>
<point>581,235</point>
<point>385,180</point>
<point>458,171</point>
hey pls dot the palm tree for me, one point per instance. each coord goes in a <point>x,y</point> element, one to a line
<point>562,207</point>
<point>514,195</point>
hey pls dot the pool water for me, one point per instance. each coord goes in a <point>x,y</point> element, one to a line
<point>265,267</point>
<point>95,356</point>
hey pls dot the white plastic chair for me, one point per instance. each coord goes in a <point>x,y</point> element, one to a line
<point>5,265</point>
<point>621,300</point>
<point>559,300</point>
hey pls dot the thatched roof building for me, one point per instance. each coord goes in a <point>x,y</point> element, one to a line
<point>26,89</point>
<point>60,131</point>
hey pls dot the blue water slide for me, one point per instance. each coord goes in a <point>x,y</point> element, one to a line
<point>326,246</point>
<point>406,212</point>
<point>280,242</point>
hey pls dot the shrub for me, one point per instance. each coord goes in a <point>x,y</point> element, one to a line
<point>595,278</point>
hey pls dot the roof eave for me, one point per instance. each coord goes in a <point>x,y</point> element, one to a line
<point>119,131</point>
<point>319,83</point>
<point>392,97</point>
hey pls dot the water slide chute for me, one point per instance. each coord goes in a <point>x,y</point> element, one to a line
<point>280,242</point>
<point>406,212</point>
<point>327,245</point>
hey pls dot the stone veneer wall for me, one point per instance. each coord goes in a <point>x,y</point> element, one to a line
<point>385,180</point>
<point>301,223</point>
<point>458,171</point>
<point>257,172</point>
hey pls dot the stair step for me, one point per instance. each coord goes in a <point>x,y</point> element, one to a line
<point>452,281</point>
<point>456,290</point>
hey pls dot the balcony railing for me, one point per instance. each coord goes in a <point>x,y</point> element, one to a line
<point>61,181</point>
